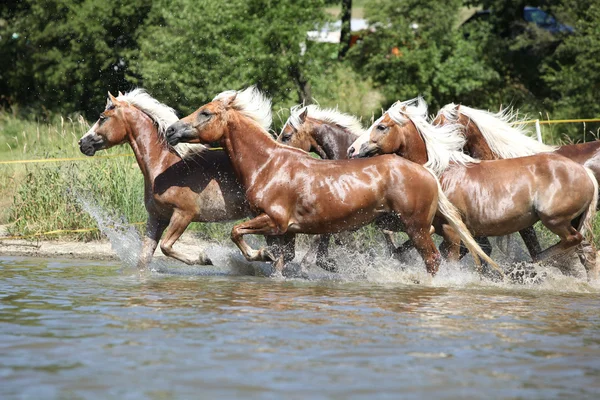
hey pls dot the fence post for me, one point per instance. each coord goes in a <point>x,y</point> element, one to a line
<point>538,130</point>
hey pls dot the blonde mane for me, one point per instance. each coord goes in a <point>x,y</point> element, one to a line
<point>251,103</point>
<point>329,115</point>
<point>506,135</point>
<point>162,115</point>
<point>444,143</point>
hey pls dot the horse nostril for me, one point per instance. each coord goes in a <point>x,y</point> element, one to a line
<point>351,151</point>
<point>170,130</point>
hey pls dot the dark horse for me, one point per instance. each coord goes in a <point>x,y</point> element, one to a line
<point>496,197</point>
<point>293,192</point>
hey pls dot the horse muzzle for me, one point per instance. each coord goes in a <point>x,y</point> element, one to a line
<point>367,150</point>
<point>180,132</point>
<point>89,145</point>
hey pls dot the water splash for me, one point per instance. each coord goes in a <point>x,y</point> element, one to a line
<point>124,238</point>
<point>372,266</point>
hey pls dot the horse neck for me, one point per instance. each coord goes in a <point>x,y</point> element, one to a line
<point>334,140</point>
<point>248,148</point>
<point>413,147</point>
<point>150,150</point>
<point>476,145</point>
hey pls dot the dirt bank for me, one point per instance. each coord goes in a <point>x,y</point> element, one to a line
<point>93,250</point>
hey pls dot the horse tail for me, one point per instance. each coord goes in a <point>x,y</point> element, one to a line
<point>454,218</point>
<point>587,218</point>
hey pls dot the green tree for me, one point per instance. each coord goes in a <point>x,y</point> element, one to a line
<point>415,49</point>
<point>191,50</point>
<point>573,74</point>
<point>71,50</point>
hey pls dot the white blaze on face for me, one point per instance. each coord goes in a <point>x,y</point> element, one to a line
<point>362,139</point>
<point>91,131</point>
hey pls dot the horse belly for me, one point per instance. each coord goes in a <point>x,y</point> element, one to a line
<point>494,207</point>
<point>318,224</point>
<point>219,203</point>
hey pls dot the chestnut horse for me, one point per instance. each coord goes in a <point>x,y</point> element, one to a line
<point>493,136</point>
<point>189,184</point>
<point>296,193</point>
<point>498,197</point>
<point>329,133</point>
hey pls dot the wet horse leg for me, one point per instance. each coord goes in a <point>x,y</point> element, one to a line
<point>421,239</point>
<point>588,257</point>
<point>450,248</point>
<point>531,241</point>
<point>388,236</point>
<point>323,261</point>
<point>404,247</point>
<point>482,241</point>
<point>569,238</point>
<point>261,225</point>
<point>285,244</point>
<point>177,225</point>
<point>154,230</point>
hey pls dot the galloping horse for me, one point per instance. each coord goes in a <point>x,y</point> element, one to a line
<point>496,136</point>
<point>189,184</point>
<point>495,197</point>
<point>329,133</point>
<point>294,192</point>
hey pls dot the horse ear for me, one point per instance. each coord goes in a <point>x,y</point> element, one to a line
<point>112,100</point>
<point>227,101</point>
<point>303,115</point>
<point>120,94</point>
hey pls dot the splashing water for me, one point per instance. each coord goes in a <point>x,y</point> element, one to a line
<point>124,238</point>
<point>354,265</point>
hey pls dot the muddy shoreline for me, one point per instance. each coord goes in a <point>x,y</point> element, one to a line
<point>92,250</point>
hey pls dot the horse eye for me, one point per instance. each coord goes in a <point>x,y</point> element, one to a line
<point>381,127</point>
<point>102,117</point>
<point>206,113</point>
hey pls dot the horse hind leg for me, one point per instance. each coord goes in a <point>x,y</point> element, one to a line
<point>569,238</point>
<point>261,225</point>
<point>177,225</point>
<point>588,256</point>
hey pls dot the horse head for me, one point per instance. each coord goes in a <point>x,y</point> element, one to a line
<point>109,130</point>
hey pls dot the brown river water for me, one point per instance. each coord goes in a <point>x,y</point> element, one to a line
<point>73,329</point>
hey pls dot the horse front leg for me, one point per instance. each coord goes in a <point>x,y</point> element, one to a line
<point>154,230</point>
<point>285,244</point>
<point>531,241</point>
<point>261,225</point>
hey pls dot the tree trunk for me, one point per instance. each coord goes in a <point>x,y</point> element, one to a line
<point>346,33</point>
<point>302,85</point>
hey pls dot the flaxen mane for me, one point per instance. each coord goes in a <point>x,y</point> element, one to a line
<point>252,103</point>
<point>506,135</point>
<point>444,143</point>
<point>162,115</point>
<point>329,115</point>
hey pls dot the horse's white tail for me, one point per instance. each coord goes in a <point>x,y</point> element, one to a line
<point>585,225</point>
<point>453,217</point>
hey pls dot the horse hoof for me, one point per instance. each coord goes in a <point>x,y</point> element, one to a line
<point>327,264</point>
<point>491,274</point>
<point>266,255</point>
<point>204,260</point>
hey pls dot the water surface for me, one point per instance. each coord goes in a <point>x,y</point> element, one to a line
<point>76,329</point>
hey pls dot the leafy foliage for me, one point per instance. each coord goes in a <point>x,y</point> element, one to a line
<point>190,55</point>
